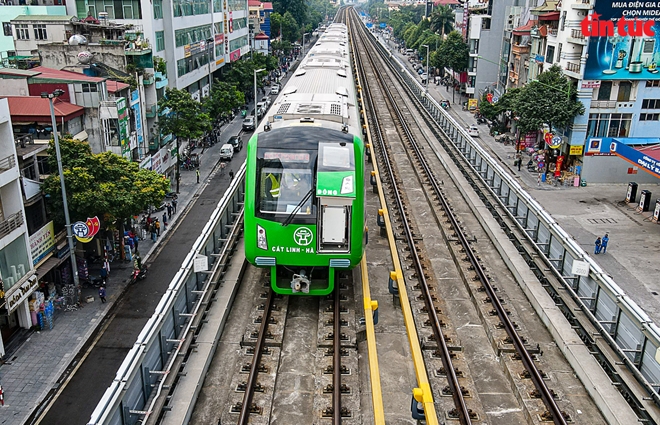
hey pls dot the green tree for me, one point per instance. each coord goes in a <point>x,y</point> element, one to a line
<point>298,11</point>
<point>182,115</point>
<point>224,97</point>
<point>551,100</point>
<point>442,20</point>
<point>455,51</point>
<point>104,185</point>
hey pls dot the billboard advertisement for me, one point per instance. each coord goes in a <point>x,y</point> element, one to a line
<point>623,41</point>
<point>122,118</point>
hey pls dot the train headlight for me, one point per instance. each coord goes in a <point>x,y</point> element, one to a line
<point>347,185</point>
<point>261,238</point>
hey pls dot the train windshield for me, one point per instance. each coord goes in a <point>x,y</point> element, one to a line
<point>285,179</point>
<point>336,157</point>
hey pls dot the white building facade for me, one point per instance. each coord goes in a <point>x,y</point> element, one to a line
<point>17,274</point>
<point>195,38</point>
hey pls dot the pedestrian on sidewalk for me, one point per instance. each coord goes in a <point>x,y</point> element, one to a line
<point>157,226</point>
<point>604,242</point>
<point>169,210</point>
<point>598,246</point>
<point>197,171</point>
<point>102,294</point>
<point>165,220</point>
<point>152,229</point>
<point>136,241</point>
<point>104,273</point>
<point>174,202</point>
<point>231,175</point>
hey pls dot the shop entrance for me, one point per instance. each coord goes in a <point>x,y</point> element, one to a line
<point>8,325</point>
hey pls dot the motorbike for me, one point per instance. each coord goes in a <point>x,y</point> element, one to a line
<point>481,120</point>
<point>138,274</point>
<point>94,282</point>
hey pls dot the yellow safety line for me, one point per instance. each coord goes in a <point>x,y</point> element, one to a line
<point>369,307</point>
<point>423,394</point>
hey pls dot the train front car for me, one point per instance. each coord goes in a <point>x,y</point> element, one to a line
<point>304,201</point>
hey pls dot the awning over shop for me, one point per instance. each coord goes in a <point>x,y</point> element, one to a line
<point>50,264</point>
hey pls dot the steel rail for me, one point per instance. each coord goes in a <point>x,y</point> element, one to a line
<point>519,345</point>
<point>426,396</point>
<point>452,378</point>
<point>336,360</point>
<point>256,360</point>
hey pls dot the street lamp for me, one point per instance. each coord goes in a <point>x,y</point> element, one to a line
<point>256,113</point>
<point>427,66</point>
<point>67,220</point>
<point>303,52</point>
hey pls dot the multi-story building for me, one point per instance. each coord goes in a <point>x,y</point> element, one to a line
<point>17,273</point>
<point>194,38</point>
<point>617,81</point>
<point>487,64</point>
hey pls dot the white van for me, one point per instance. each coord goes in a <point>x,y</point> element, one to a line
<point>226,152</point>
<point>410,52</point>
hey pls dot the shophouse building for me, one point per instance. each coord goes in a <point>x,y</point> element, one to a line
<point>17,272</point>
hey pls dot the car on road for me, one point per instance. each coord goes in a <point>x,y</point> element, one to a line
<point>266,100</point>
<point>473,131</point>
<point>248,123</point>
<point>236,142</point>
<point>275,89</point>
<point>261,106</point>
<point>226,152</point>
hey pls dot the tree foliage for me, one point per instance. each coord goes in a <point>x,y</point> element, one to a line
<point>224,97</point>
<point>442,19</point>
<point>104,185</point>
<point>287,23</point>
<point>453,52</point>
<point>297,9</point>
<point>551,100</point>
<point>182,115</point>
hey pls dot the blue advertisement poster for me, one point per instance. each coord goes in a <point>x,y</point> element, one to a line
<point>645,162</point>
<point>623,40</point>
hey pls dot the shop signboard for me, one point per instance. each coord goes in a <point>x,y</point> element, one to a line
<point>576,150</point>
<point>20,294</point>
<point>235,55</point>
<point>590,84</point>
<point>157,163</point>
<point>472,104</point>
<point>530,139</point>
<point>146,163</point>
<point>122,118</point>
<point>219,38</point>
<point>135,105</point>
<point>624,40</point>
<point>186,51</point>
<point>649,164</point>
<point>42,242</point>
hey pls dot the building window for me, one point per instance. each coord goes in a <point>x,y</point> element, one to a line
<point>625,87</point>
<point>158,9</point>
<point>653,83</point>
<point>649,117</point>
<point>192,35</point>
<point>22,32</point>
<point>40,32</point>
<point>609,125</point>
<point>550,54</point>
<point>605,90</point>
<point>651,104</point>
<point>89,87</point>
<point>6,28</point>
<point>160,41</point>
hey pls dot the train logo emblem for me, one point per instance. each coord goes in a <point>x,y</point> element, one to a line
<point>303,236</point>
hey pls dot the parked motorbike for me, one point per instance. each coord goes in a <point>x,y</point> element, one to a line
<point>140,274</point>
<point>482,120</point>
<point>94,282</point>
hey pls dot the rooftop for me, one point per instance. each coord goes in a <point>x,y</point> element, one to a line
<point>47,18</point>
<point>29,109</point>
<point>50,75</point>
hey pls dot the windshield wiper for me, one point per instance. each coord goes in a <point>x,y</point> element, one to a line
<point>289,219</point>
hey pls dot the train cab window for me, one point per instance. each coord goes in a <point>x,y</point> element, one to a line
<point>285,180</point>
<point>336,157</point>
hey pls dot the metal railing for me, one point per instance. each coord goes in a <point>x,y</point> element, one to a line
<point>136,393</point>
<point>12,222</point>
<point>573,67</point>
<point>7,163</point>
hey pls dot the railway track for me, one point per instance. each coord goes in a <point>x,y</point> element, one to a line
<point>413,164</point>
<point>275,370</point>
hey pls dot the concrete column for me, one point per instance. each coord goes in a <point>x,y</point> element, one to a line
<point>2,347</point>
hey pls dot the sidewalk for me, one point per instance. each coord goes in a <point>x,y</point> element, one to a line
<point>34,369</point>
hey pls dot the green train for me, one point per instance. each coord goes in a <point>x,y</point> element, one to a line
<point>304,202</point>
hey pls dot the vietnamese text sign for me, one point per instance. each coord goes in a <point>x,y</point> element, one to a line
<point>635,157</point>
<point>42,242</point>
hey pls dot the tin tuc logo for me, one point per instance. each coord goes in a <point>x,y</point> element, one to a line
<point>593,27</point>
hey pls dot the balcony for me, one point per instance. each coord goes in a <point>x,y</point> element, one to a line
<point>12,223</point>
<point>152,111</point>
<point>520,50</point>
<point>603,104</point>
<point>161,80</point>
<point>573,70</point>
<point>582,4</point>
<point>7,163</point>
<point>577,37</point>
<point>148,79</point>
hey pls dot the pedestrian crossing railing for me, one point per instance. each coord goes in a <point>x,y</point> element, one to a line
<point>628,330</point>
<point>139,390</point>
